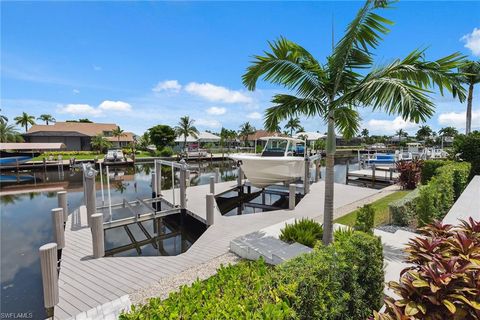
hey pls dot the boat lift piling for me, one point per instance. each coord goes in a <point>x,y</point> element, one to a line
<point>62,203</point>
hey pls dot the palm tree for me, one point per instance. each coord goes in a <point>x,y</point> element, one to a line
<point>247,129</point>
<point>100,143</point>
<point>24,120</point>
<point>118,133</point>
<point>293,124</point>
<point>448,132</point>
<point>8,133</point>
<point>47,118</point>
<point>3,119</point>
<point>401,133</point>
<point>471,76</point>
<point>365,133</point>
<point>334,90</point>
<point>186,128</point>
<point>424,132</point>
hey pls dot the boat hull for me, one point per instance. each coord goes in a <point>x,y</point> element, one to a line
<point>265,171</point>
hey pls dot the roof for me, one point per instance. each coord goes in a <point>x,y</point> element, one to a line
<point>263,133</point>
<point>32,146</point>
<point>76,129</point>
<point>311,136</point>
<point>202,136</point>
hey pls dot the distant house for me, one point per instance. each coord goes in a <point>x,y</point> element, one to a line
<point>76,135</point>
<point>201,140</point>
<point>255,138</point>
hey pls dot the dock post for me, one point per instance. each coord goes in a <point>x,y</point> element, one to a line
<point>239,176</point>
<point>212,185</point>
<point>373,175</point>
<point>187,177</point>
<point>347,169</point>
<point>391,174</point>
<point>62,203</point>
<point>217,175</point>
<point>58,228</point>
<point>154,190</point>
<point>317,170</point>
<point>97,235</point>
<point>48,264</point>
<point>90,197</point>
<point>292,190</point>
<point>210,202</point>
<point>158,178</point>
<point>183,189</point>
<point>306,177</point>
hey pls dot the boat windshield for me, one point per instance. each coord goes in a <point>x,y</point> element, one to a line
<point>275,148</point>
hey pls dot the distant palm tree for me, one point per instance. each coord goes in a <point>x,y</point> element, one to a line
<point>424,132</point>
<point>118,133</point>
<point>100,143</point>
<point>24,120</point>
<point>246,129</point>
<point>8,133</point>
<point>226,137</point>
<point>471,71</point>
<point>333,91</point>
<point>3,119</point>
<point>293,124</point>
<point>47,118</point>
<point>365,133</point>
<point>448,132</point>
<point>300,129</point>
<point>400,134</point>
<point>186,128</point>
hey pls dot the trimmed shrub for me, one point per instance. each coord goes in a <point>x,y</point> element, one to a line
<point>166,152</point>
<point>409,173</point>
<point>468,146</point>
<point>460,173</point>
<point>429,168</point>
<point>365,219</point>
<point>304,231</point>
<point>403,211</point>
<point>443,282</point>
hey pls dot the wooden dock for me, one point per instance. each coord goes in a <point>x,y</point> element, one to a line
<point>86,283</point>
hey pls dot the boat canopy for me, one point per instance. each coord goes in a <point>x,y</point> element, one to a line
<point>283,138</point>
<point>32,146</point>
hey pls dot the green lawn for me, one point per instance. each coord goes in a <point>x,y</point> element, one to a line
<point>68,156</point>
<point>381,210</point>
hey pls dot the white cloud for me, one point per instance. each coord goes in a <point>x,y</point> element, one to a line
<point>216,93</point>
<point>80,109</point>
<point>167,85</point>
<point>211,123</point>
<point>472,41</point>
<point>108,105</point>
<point>458,119</point>
<point>216,111</point>
<point>389,126</point>
<point>254,115</point>
<point>76,91</point>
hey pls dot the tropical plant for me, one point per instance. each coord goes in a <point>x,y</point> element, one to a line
<point>365,133</point>
<point>162,136</point>
<point>293,124</point>
<point>47,118</point>
<point>247,129</point>
<point>442,282</point>
<point>81,120</point>
<point>335,90</point>
<point>144,141</point>
<point>100,143</point>
<point>401,134</point>
<point>8,133</point>
<point>448,132</point>
<point>227,137</point>
<point>186,128</point>
<point>3,118</point>
<point>365,219</point>
<point>467,148</point>
<point>471,76</point>
<point>410,173</point>
<point>118,133</point>
<point>304,231</point>
<point>424,132</point>
<point>24,120</point>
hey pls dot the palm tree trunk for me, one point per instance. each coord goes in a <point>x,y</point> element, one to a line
<point>26,127</point>
<point>329,178</point>
<point>468,127</point>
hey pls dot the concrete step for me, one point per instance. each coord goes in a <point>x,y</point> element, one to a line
<point>290,252</point>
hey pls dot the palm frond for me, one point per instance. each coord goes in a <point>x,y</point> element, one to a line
<point>347,121</point>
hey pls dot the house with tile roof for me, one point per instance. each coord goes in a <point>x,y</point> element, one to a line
<point>76,136</point>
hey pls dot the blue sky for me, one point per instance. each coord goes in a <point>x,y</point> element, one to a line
<point>144,63</point>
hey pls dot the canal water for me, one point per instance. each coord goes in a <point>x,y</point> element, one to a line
<point>26,222</point>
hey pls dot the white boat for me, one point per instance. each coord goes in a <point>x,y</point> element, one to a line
<point>282,160</point>
<point>114,156</point>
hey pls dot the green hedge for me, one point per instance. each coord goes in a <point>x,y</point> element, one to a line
<point>403,211</point>
<point>429,168</point>
<point>341,281</point>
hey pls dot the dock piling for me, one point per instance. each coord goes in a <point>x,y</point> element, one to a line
<point>239,176</point>
<point>97,235</point>
<point>183,189</point>
<point>90,194</point>
<point>347,168</point>
<point>317,170</point>
<point>58,227</point>
<point>187,177</point>
<point>306,177</point>
<point>217,175</point>
<point>373,175</point>
<point>292,189</point>
<point>48,264</point>
<point>212,185</point>
<point>158,178</point>
<point>210,203</point>
<point>62,203</point>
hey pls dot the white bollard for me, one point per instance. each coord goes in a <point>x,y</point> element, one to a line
<point>48,264</point>
<point>217,175</point>
<point>97,235</point>
<point>62,203</point>
<point>58,227</point>
<point>292,190</point>
<point>210,202</point>
<point>212,185</point>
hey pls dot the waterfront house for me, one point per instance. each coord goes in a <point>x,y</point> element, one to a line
<point>202,139</point>
<point>76,135</point>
